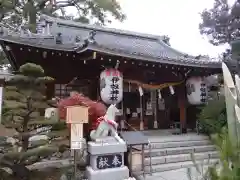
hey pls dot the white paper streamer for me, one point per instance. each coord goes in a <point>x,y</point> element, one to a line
<point>155,124</point>
<point>140,90</point>
<point>159,94</point>
<point>171,90</point>
<point>122,123</point>
<point>129,87</point>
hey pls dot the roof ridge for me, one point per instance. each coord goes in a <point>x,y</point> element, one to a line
<point>181,53</point>
<point>99,28</point>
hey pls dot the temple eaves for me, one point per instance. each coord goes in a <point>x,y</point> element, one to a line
<point>66,35</point>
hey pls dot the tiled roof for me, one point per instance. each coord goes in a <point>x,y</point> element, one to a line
<point>116,42</point>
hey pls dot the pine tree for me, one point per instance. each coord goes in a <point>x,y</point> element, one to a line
<point>23,109</point>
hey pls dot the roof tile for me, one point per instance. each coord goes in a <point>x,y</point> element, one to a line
<point>116,42</point>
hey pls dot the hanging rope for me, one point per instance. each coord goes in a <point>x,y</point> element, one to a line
<point>150,86</point>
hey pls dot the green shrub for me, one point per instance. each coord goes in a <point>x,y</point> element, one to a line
<point>212,117</point>
<point>229,166</point>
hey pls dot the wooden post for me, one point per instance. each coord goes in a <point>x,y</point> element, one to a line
<point>122,123</point>
<point>141,94</point>
<point>154,105</point>
<point>2,81</point>
<point>141,113</point>
<point>76,116</point>
<point>182,108</point>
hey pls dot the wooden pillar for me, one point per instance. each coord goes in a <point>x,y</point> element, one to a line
<point>123,118</point>
<point>154,106</point>
<point>94,88</point>
<point>182,104</point>
<point>2,81</point>
<point>141,113</point>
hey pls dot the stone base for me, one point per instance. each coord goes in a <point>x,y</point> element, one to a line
<point>109,146</point>
<point>108,174</point>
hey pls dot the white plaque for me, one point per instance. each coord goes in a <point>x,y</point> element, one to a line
<point>134,114</point>
<point>149,112</point>
<point>138,110</point>
<point>76,136</point>
<point>149,106</point>
<point>161,104</point>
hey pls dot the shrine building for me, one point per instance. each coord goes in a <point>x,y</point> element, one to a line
<point>160,84</point>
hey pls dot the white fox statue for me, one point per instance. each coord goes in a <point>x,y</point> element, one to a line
<point>107,125</point>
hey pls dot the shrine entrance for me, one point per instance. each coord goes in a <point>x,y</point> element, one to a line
<point>158,113</point>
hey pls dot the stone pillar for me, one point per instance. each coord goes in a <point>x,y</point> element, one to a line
<point>107,160</point>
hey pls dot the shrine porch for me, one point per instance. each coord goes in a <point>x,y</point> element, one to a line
<point>165,135</point>
<point>166,126</point>
<point>170,135</point>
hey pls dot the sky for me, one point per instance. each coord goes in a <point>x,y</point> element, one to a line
<point>178,19</point>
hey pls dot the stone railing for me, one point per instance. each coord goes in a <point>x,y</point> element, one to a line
<point>232,98</point>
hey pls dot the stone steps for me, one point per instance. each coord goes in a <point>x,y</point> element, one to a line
<point>179,150</point>
<point>173,166</point>
<point>178,158</point>
<point>175,152</point>
<point>181,158</point>
<point>177,138</point>
<point>176,144</point>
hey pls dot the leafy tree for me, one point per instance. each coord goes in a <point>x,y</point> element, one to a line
<point>23,107</point>
<point>221,23</point>
<point>212,117</point>
<point>98,11</point>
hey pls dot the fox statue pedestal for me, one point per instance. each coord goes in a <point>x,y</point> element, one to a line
<point>107,159</point>
<point>106,150</point>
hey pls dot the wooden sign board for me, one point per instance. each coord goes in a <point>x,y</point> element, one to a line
<point>77,114</point>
